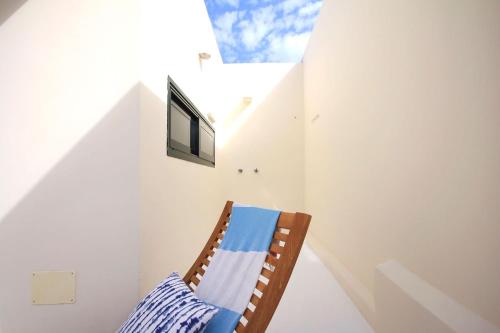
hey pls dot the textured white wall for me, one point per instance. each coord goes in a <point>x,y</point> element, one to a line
<point>402,133</point>
<point>69,150</point>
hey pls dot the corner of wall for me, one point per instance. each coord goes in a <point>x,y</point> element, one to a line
<point>359,294</point>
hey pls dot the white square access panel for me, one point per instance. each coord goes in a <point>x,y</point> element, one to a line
<point>53,287</point>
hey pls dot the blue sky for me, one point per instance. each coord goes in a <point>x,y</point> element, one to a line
<point>262,30</point>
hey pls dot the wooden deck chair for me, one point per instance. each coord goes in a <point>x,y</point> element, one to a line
<point>289,235</point>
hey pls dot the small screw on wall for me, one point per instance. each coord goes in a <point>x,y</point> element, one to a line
<point>256,170</point>
<point>240,170</point>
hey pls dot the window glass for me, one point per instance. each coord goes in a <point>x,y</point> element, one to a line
<point>189,135</point>
<point>181,126</point>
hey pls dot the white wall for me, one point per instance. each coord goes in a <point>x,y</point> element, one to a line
<point>400,126</point>
<point>266,135</point>
<point>180,201</point>
<point>84,162</point>
<point>69,161</point>
<point>403,161</point>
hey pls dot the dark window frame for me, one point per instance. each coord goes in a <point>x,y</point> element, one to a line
<point>198,121</point>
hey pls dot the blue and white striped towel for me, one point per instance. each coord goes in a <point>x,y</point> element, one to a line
<point>230,279</point>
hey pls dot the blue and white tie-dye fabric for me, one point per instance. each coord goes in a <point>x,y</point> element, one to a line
<point>170,307</point>
<point>230,279</point>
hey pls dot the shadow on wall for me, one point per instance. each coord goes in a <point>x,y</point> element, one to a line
<point>83,216</point>
<point>8,8</point>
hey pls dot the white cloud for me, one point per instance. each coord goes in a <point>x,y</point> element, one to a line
<point>226,20</point>
<point>267,32</point>
<point>311,9</point>
<point>230,54</point>
<point>224,28</point>
<point>285,22</point>
<point>287,48</point>
<point>224,37</point>
<point>290,5</point>
<point>299,23</point>
<point>304,23</point>
<point>258,57</point>
<point>255,30</point>
<point>257,2</point>
<point>232,3</point>
<point>242,14</point>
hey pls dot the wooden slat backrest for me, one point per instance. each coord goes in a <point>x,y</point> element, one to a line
<point>289,235</point>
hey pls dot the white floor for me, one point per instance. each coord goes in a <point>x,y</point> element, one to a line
<point>315,302</point>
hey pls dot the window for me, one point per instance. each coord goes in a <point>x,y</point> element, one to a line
<point>189,135</point>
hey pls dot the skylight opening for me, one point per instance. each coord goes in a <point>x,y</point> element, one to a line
<point>262,30</point>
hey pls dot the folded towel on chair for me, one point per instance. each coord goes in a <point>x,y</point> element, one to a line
<point>230,279</point>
